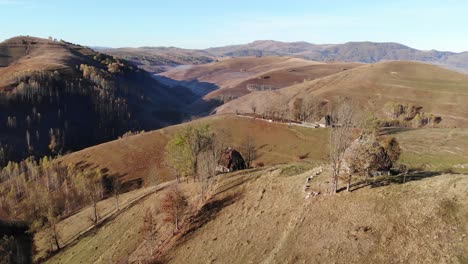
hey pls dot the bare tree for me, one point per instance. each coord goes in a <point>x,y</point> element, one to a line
<point>149,229</point>
<point>92,188</point>
<point>341,137</point>
<point>207,171</point>
<point>51,231</point>
<point>249,148</point>
<point>175,206</point>
<point>253,107</point>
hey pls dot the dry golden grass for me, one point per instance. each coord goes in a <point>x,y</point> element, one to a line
<point>142,156</point>
<point>269,221</point>
<point>434,149</point>
<point>261,216</point>
<point>35,54</point>
<point>439,91</point>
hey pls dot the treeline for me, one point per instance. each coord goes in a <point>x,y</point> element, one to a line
<point>29,187</point>
<point>311,110</point>
<point>51,112</point>
<point>408,115</point>
<point>45,191</point>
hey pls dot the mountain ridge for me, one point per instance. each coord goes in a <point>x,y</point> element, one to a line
<point>353,51</point>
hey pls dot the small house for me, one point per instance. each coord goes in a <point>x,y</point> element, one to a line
<point>230,160</point>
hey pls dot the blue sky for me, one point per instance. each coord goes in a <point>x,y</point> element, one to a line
<point>429,24</point>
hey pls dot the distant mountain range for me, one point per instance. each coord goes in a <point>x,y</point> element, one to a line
<point>158,59</point>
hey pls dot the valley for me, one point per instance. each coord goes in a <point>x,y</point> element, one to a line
<point>269,152</point>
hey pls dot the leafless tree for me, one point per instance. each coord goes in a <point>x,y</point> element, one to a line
<point>92,188</point>
<point>341,137</point>
<point>208,160</point>
<point>249,148</point>
<point>207,171</point>
<point>149,229</point>
<point>253,107</point>
<point>175,206</point>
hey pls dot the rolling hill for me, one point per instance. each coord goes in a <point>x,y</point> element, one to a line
<point>141,157</point>
<point>246,205</point>
<point>364,52</point>
<point>160,59</point>
<point>262,216</point>
<point>228,79</point>
<point>57,96</point>
<point>439,91</point>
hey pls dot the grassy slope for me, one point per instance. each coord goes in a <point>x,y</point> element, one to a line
<point>75,225</point>
<point>261,216</point>
<point>141,155</point>
<point>229,73</point>
<point>118,238</point>
<point>423,221</point>
<point>439,91</point>
<point>435,149</point>
<point>263,195</point>
<point>284,77</point>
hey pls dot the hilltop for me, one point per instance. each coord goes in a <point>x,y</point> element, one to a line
<point>228,79</point>
<point>439,91</point>
<point>57,96</point>
<point>160,59</point>
<point>364,52</point>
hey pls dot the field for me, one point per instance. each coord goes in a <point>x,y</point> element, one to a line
<point>379,220</point>
<point>421,221</point>
<point>270,221</point>
<point>439,91</point>
<point>142,156</point>
<point>435,149</point>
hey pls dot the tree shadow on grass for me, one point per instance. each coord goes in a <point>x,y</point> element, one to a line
<point>401,179</point>
<point>395,130</point>
<point>209,211</point>
<point>394,179</point>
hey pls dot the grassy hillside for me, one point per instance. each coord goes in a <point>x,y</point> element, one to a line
<point>267,220</point>
<point>262,216</point>
<point>438,91</point>
<point>372,221</point>
<point>232,78</point>
<point>57,97</point>
<point>435,149</point>
<point>142,156</point>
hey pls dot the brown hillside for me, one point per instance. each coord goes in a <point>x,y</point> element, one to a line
<point>226,72</point>
<point>266,219</point>
<point>439,91</point>
<point>229,78</point>
<point>284,77</point>
<point>142,156</point>
<point>20,54</point>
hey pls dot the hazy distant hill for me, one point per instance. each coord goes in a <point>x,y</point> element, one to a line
<point>366,52</point>
<point>159,59</point>
<point>57,96</point>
